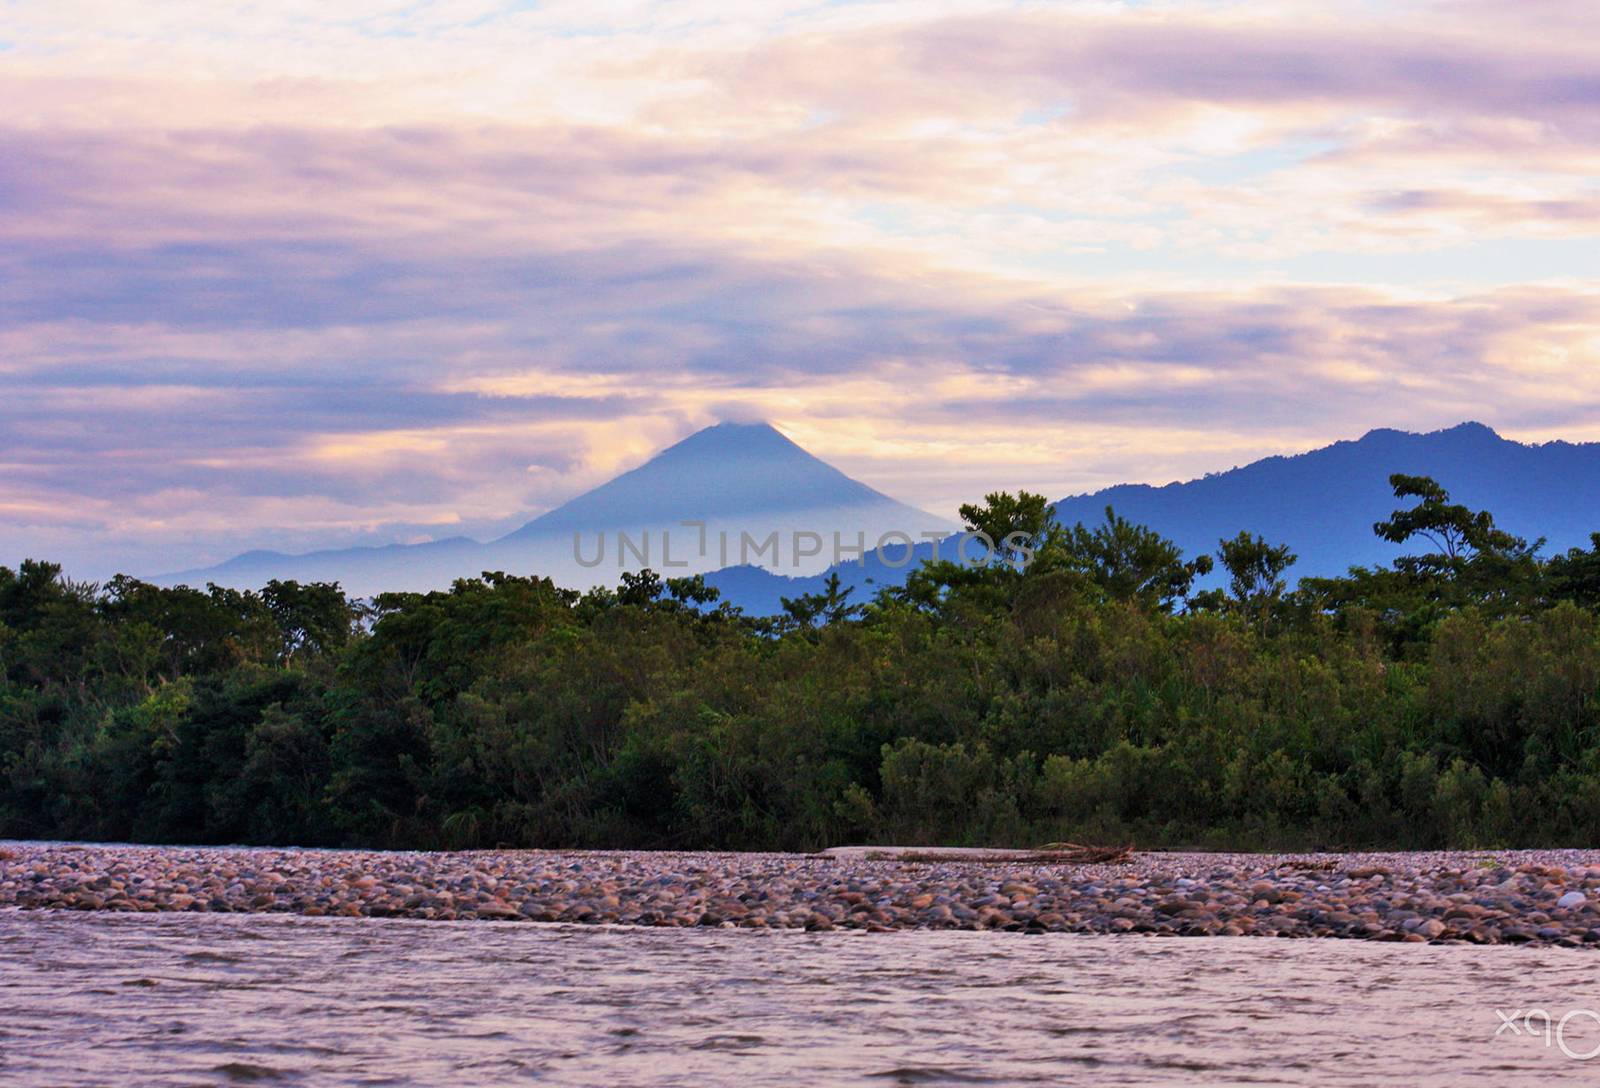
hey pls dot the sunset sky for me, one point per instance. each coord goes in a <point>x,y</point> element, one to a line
<point>297,274</point>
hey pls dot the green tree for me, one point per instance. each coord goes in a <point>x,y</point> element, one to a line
<point>1132,562</point>
<point>832,605</point>
<point>1006,540</point>
<point>1255,572</point>
<point>1575,574</point>
<point>1015,525</point>
<point>1458,534</point>
<point>51,621</point>
<point>314,618</point>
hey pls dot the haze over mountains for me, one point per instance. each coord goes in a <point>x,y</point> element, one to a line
<point>750,479</point>
<point>726,472</point>
<point>738,479</point>
<point>1323,503</point>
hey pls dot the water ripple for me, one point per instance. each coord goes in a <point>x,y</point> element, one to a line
<point>268,999</point>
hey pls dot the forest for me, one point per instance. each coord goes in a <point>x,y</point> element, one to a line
<point>1094,693</point>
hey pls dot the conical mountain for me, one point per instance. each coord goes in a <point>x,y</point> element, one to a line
<point>729,471</point>
<point>742,480</point>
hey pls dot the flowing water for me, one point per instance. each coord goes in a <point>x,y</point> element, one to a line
<point>207,999</point>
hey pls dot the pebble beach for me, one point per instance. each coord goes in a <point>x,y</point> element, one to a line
<point>1549,897</point>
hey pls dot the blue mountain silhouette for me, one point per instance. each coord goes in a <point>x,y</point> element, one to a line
<point>731,470</point>
<point>1322,503</point>
<point>733,475</point>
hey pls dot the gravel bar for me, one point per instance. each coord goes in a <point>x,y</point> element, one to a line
<point>1484,897</point>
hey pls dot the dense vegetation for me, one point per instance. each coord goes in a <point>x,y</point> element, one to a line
<point>1092,694</point>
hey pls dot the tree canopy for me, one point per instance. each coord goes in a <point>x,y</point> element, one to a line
<point>1083,682</point>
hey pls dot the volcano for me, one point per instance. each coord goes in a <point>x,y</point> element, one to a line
<point>730,472</point>
<point>733,494</point>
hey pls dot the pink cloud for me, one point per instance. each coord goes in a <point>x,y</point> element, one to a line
<point>317,305</point>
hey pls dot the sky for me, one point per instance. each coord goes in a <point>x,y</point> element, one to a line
<point>301,275</point>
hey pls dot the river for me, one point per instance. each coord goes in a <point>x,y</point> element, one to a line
<point>91,998</point>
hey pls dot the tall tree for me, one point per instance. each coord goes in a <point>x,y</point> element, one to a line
<point>832,605</point>
<point>1132,562</point>
<point>1457,533</point>
<point>313,618</point>
<point>1015,525</point>
<point>1255,572</point>
<point>1575,574</point>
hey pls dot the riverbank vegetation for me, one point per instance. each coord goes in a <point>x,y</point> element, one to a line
<point>1093,694</point>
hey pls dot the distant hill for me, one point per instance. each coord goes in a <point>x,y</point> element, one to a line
<point>1323,503</point>
<point>737,478</point>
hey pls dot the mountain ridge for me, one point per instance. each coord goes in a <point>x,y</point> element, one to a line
<point>1322,502</point>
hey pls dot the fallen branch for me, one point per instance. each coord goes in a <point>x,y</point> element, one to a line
<point>1049,854</point>
<point>1306,865</point>
<point>1086,855</point>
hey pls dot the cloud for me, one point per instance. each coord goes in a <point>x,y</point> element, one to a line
<point>275,279</point>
